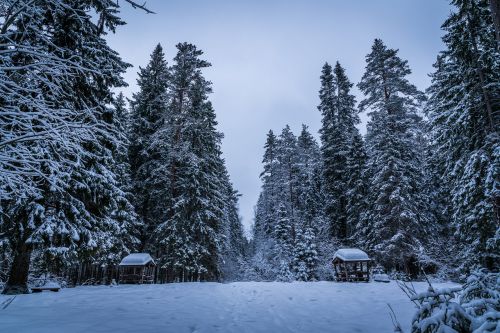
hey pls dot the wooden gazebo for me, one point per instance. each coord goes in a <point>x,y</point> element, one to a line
<point>137,268</point>
<point>351,265</point>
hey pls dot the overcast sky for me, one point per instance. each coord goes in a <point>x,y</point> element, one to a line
<point>267,56</point>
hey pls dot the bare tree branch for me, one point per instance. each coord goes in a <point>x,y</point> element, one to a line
<point>143,6</point>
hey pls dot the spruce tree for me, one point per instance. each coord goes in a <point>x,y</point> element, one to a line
<point>305,255</point>
<point>356,185</point>
<point>308,206</point>
<point>328,149</point>
<point>233,255</point>
<point>284,243</point>
<point>341,146</point>
<point>190,236</point>
<point>395,221</point>
<point>264,259</point>
<point>308,162</point>
<point>127,239</point>
<point>289,208</point>
<point>287,175</point>
<point>147,153</point>
<point>464,119</point>
<point>69,215</point>
<point>270,187</point>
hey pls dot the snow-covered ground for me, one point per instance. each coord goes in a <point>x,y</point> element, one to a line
<point>212,307</point>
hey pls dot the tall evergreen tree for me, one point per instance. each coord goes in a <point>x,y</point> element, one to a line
<point>127,239</point>
<point>288,172</point>
<point>69,214</point>
<point>356,186</point>
<point>305,256</point>
<point>233,255</point>
<point>147,152</point>
<point>289,207</point>
<point>395,222</point>
<point>339,149</point>
<point>308,162</point>
<point>190,235</point>
<point>464,118</point>
<point>270,187</point>
<point>264,260</point>
<point>328,149</point>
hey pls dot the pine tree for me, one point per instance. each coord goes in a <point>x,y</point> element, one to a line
<point>233,256</point>
<point>287,172</point>
<point>190,235</point>
<point>305,255</point>
<point>147,152</point>
<point>69,213</point>
<point>127,239</point>
<point>394,223</point>
<point>282,232</point>
<point>289,208</point>
<point>356,185</point>
<point>308,162</point>
<point>338,136</point>
<point>309,207</point>
<point>284,243</point>
<point>265,256</point>
<point>464,99</point>
<point>328,149</point>
<point>267,208</point>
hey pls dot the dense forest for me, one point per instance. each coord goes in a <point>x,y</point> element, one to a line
<point>420,192</point>
<point>87,176</point>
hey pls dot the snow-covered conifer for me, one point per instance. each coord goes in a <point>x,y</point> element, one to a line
<point>61,53</point>
<point>148,152</point>
<point>305,255</point>
<point>190,236</point>
<point>395,220</point>
<point>465,122</point>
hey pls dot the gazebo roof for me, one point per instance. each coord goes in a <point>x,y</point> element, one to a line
<point>351,255</point>
<point>137,259</point>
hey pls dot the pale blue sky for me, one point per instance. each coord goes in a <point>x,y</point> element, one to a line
<point>267,58</point>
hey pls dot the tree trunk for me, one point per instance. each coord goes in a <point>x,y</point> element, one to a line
<point>495,13</point>
<point>18,277</point>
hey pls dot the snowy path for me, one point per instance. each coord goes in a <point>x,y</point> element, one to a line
<point>211,307</point>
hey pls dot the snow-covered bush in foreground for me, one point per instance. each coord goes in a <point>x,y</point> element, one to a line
<point>437,312</point>
<point>481,300</point>
<point>473,308</point>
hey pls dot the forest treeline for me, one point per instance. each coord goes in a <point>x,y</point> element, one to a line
<point>86,178</point>
<point>419,193</point>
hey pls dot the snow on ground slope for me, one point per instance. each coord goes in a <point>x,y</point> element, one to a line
<point>212,307</point>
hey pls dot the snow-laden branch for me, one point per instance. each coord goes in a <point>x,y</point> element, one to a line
<point>143,6</point>
<point>43,127</point>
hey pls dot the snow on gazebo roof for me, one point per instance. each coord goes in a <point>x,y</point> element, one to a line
<point>351,255</point>
<point>137,259</point>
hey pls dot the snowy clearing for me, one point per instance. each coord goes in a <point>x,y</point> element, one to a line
<point>213,307</point>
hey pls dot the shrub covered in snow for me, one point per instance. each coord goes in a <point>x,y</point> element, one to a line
<point>437,312</point>
<point>481,300</point>
<point>473,308</point>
